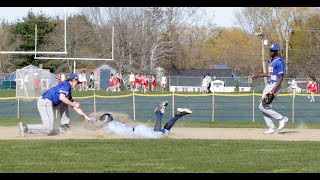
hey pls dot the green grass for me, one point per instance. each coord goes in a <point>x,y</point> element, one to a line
<point>158,156</point>
<point>7,93</point>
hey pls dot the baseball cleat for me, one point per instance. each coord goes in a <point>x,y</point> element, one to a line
<point>183,111</point>
<point>65,129</point>
<point>165,131</point>
<point>161,107</point>
<point>270,131</point>
<point>282,122</point>
<point>22,129</point>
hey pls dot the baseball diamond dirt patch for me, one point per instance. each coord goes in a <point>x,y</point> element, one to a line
<point>12,133</point>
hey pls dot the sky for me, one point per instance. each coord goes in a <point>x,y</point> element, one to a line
<point>223,15</point>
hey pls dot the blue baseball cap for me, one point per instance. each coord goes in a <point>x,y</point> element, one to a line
<point>73,76</point>
<point>274,47</point>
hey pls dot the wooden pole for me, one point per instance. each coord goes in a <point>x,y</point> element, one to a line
<point>133,106</point>
<point>253,106</point>
<point>293,97</point>
<point>172,103</point>
<point>18,108</point>
<point>212,107</point>
<point>94,102</point>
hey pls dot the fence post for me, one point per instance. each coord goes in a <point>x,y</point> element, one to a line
<point>94,102</point>
<point>172,103</point>
<point>253,106</point>
<point>18,108</point>
<point>293,110</point>
<point>133,106</point>
<point>212,107</point>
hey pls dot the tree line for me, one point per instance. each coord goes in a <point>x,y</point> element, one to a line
<point>167,37</point>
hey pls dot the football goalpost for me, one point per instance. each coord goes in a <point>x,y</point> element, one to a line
<point>74,58</point>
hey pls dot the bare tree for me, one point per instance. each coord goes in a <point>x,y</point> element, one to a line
<point>7,44</point>
<point>82,42</point>
<point>144,37</point>
<point>275,22</point>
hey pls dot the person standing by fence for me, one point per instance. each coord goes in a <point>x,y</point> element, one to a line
<point>153,83</point>
<point>275,77</point>
<point>209,83</point>
<point>59,78</point>
<point>92,81</point>
<point>312,87</point>
<point>36,84</point>
<point>62,76</point>
<point>111,83</point>
<point>118,81</point>
<point>163,83</point>
<point>294,86</point>
<point>137,81</point>
<point>131,81</point>
<point>204,84</point>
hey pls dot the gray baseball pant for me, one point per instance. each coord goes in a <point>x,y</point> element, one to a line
<point>46,111</point>
<point>267,110</point>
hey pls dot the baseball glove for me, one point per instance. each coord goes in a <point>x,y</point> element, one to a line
<point>268,98</point>
<point>94,123</point>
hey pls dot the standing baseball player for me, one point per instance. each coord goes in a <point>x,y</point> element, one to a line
<point>117,128</point>
<point>275,77</point>
<point>57,97</point>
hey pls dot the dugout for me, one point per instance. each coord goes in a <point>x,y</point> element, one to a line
<point>14,80</point>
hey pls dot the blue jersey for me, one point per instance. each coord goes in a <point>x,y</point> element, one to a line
<point>63,87</point>
<point>275,69</point>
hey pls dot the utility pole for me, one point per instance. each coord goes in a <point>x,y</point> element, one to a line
<point>287,48</point>
<point>287,53</point>
<point>262,52</point>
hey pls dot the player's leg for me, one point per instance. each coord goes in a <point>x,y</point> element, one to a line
<point>159,112</point>
<point>47,117</point>
<point>90,85</point>
<point>312,96</point>
<point>271,127</point>
<point>267,110</point>
<point>157,125</point>
<point>180,113</point>
<point>64,117</point>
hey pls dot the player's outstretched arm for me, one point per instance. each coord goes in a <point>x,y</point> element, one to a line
<point>81,113</point>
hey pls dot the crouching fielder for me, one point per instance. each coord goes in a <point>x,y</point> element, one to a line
<point>116,128</point>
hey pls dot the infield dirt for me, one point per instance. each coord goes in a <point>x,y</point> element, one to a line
<point>80,132</point>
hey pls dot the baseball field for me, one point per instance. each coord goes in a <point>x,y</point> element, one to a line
<point>191,147</point>
<point>184,150</point>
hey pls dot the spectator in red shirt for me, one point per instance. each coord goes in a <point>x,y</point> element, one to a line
<point>137,82</point>
<point>36,83</point>
<point>153,83</point>
<point>118,80</point>
<point>111,83</point>
<point>59,78</point>
<point>312,88</point>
